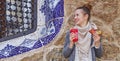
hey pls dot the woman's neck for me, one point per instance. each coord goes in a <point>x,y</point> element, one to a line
<point>83,24</point>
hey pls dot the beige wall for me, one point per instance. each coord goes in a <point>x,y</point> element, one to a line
<point>105,13</point>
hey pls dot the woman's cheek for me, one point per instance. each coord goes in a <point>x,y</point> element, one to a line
<point>76,20</point>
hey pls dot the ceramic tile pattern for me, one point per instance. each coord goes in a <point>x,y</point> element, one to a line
<point>53,11</point>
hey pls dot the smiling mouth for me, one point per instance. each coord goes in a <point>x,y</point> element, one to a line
<point>75,20</point>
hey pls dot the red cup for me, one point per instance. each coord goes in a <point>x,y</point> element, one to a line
<point>75,31</point>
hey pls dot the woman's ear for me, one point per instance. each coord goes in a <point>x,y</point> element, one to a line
<point>86,16</point>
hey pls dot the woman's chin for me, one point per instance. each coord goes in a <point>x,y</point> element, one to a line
<point>77,23</point>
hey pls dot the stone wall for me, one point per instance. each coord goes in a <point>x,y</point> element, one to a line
<point>105,13</point>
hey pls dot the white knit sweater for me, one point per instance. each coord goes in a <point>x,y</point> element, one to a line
<point>83,48</point>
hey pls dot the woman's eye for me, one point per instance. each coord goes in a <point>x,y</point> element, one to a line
<point>77,14</point>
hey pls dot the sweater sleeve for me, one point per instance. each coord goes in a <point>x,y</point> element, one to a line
<point>66,50</point>
<point>99,50</point>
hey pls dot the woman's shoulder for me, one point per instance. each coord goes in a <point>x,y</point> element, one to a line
<point>93,25</point>
<point>67,33</point>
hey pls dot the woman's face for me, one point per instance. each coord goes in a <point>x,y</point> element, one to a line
<point>80,17</point>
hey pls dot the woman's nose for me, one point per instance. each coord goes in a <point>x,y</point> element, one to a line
<point>75,18</point>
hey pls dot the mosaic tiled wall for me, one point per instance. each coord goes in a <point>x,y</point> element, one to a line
<point>38,45</point>
<point>49,21</point>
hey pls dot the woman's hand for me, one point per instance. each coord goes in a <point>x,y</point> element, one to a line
<point>96,38</point>
<point>72,35</point>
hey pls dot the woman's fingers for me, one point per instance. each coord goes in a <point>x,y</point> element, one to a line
<point>72,35</point>
<point>96,37</point>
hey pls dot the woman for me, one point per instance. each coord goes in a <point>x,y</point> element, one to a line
<point>88,46</point>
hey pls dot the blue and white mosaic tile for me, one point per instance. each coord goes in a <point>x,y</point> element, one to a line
<point>53,11</point>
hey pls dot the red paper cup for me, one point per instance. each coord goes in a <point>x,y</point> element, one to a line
<point>75,31</point>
